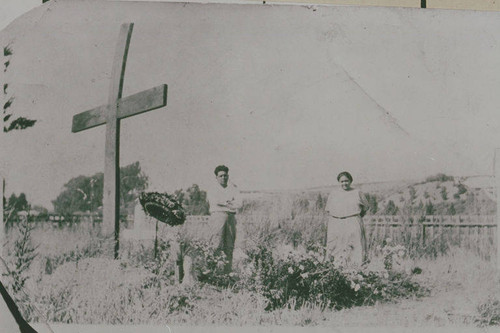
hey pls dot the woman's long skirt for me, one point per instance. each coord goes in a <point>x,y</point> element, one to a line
<point>346,241</point>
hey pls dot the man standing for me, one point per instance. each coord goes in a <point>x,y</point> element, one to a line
<point>224,199</point>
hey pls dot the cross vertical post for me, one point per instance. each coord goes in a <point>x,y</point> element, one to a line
<point>110,114</point>
<point>111,196</point>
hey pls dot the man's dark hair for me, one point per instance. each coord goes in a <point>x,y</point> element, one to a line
<point>344,173</point>
<point>221,168</point>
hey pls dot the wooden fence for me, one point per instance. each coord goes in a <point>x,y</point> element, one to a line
<point>435,234</point>
<point>429,234</point>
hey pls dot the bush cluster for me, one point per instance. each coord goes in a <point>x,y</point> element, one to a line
<point>293,278</point>
<point>489,312</point>
<point>209,263</point>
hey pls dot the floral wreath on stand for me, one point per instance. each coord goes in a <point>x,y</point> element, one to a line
<point>163,207</point>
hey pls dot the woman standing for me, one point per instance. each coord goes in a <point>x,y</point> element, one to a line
<point>346,241</point>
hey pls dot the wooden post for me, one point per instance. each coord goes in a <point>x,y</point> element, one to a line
<point>156,240</point>
<point>110,114</point>
<point>423,234</point>
<point>111,195</point>
<point>497,183</point>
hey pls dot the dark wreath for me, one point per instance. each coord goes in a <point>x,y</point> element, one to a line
<point>162,207</point>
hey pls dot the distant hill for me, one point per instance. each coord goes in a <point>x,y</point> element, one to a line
<point>436,195</point>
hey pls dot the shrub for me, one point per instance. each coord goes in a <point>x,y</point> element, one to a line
<point>391,208</point>
<point>413,194</point>
<point>444,193</point>
<point>461,189</point>
<point>297,278</point>
<point>429,208</point>
<point>440,177</point>
<point>209,263</point>
<point>371,202</point>
<point>22,255</point>
<point>489,312</point>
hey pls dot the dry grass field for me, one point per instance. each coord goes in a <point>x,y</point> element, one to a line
<point>280,278</point>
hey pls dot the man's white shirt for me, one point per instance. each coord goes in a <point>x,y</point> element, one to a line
<point>218,195</point>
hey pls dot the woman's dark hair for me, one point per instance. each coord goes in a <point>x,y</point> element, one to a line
<point>221,168</point>
<point>344,173</point>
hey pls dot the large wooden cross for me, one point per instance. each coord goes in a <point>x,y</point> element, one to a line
<point>110,114</point>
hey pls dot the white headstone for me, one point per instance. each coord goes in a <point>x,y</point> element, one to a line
<point>144,226</point>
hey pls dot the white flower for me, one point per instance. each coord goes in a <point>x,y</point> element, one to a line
<point>290,270</point>
<point>385,275</point>
<point>301,267</point>
<point>304,275</point>
<point>360,277</point>
<point>375,291</point>
<point>356,287</point>
<point>232,274</point>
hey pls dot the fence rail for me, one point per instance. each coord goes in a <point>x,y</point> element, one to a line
<point>431,234</point>
<point>394,220</point>
<point>436,233</point>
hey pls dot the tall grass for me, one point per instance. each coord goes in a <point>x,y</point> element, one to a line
<point>74,280</point>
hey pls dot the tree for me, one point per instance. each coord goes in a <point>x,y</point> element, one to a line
<point>20,203</point>
<point>194,200</point>
<point>84,193</point>
<point>133,181</point>
<point>14,205</point>
<point>179,196</point>
<point>11,123</point>
<point>79,195</point>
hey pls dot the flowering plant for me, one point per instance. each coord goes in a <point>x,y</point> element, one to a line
<point>209,264</point>
<point>288,276</point>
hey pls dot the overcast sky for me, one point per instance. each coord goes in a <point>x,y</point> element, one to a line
<point>286,96</point>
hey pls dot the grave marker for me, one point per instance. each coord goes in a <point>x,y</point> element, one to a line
<point>110,114</point>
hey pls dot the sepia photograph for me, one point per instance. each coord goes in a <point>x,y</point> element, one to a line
<point>243,166</point>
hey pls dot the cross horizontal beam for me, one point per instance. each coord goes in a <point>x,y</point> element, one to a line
<point>143,101</point>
